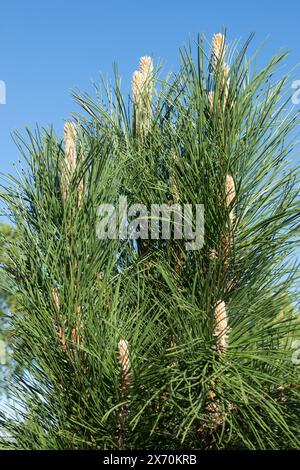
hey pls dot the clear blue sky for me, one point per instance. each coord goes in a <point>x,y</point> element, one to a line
<point>49,48</point>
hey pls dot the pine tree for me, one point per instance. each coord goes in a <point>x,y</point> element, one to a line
<point>140,343</point>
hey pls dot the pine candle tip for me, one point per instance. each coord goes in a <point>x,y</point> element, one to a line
<point>137,85</point>
<point>213,255</point>
<point>142,88</point>
<point>230,196</point>
<point>211,100</point>
<point>221,326</point>
<point>230,190</point>
<point>218,44</point>
<point>70,134</point>
<point>70,144</point>
<point>146,65</point>
<point>124,355</point>
<point>226,70</point>
<point>70,130</point>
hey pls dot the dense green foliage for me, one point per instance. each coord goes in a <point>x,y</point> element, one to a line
<point>7,305</point>
<point>79,295</point>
